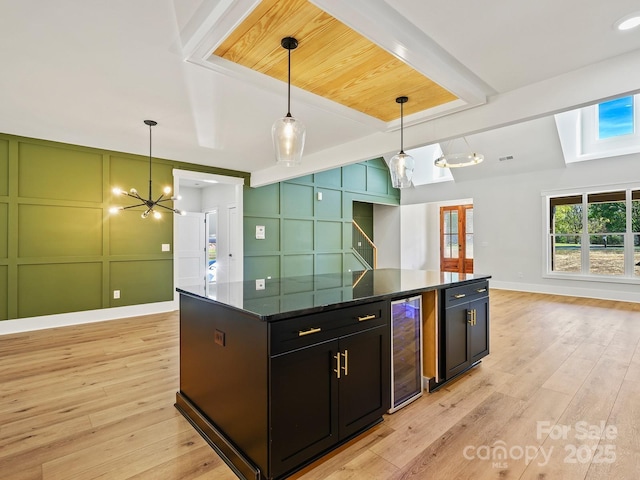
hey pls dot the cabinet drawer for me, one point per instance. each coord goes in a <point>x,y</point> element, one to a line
<point>299,332</point>
<point>465,293</point>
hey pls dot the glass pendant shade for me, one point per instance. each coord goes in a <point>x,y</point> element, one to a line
<point>288,140</point>
<point>401,164</point>
<point>401,167</point>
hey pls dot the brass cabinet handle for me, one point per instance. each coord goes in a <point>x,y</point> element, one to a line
<point>470,317</point>
<point>460,295</point>
<point>302,333</point>
<point>337,369</point>
<point>481,290</point>
<point>366,317</point>
<point>346,362</point>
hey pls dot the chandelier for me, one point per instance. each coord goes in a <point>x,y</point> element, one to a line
<point>152,206</point>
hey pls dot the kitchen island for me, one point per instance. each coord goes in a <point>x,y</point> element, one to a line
<point>275,373</point>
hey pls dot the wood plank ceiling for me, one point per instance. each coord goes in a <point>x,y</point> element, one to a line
<point>331,60</point>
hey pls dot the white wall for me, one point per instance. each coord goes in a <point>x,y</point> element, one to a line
<point>386,235</point>
<point>509,223</point>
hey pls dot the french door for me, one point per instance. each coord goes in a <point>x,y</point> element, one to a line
<point>456,238</point>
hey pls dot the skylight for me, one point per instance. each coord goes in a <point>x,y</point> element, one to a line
<point>603,130</point>
<point>425,171</point>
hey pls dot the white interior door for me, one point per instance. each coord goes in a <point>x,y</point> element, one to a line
<point>190,250</point>
<point>234,275</point>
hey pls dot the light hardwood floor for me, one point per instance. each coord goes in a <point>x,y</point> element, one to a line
<point>96,401</point>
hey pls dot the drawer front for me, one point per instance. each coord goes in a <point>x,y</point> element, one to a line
<point>465,293</point>
<point>299,332</point>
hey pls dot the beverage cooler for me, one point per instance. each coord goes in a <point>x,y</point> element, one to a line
<point>406,351</point>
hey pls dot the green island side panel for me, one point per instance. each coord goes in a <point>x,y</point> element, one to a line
<point>141,281</point>
<point>46,289</point>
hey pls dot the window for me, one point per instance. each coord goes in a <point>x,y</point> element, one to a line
<point>603,130</point>
<point>595,234</point>
<point>615,118</point>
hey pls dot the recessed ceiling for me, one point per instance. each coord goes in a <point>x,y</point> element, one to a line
<point>331,60</point>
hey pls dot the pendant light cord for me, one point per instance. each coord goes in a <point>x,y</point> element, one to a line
<point>402,127</point>
<point>289,86</point>
<point>150,162</point>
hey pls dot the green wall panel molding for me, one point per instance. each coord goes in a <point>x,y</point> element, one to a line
<point>143,281</point>
<point>56,173</point>
<point>329,178</point>
<point>271,242</point>
<point>298,235</point>
<point>4,287</point>
<point>314,235</point>
<point>262,201</point>
<point>262,267</point>
<point>57,240</point>
<point>4,230</point>
<point>130,235</point>
<point>53,231</point>
<point>4,167</point>
<point>331,204</point>
<point>328,235</point>
<point>303,204</point>
<point>354,177</point>
<point>47,289</point>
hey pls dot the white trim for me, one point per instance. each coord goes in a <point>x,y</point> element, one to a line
<point>29,324</point>
<point>567,291</point>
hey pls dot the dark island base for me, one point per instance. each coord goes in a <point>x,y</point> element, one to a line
<point>240,465</point>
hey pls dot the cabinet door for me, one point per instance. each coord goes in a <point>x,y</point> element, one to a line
<point>365,382</point>
<point>479,331</point>
<point>304,401</point>
<point>456,351</point>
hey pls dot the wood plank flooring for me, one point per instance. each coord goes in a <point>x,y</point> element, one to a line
<point>556,398</point>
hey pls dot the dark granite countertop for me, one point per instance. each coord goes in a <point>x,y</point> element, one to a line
<point>293,296</point>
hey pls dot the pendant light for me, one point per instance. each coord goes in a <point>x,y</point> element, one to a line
<point>460,159</point>
<point>287,132</point>
<point>152,206</point>
<point>401,164</point>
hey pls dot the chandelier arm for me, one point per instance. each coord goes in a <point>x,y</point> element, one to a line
<point>133,206</point>
<point>175,210</point>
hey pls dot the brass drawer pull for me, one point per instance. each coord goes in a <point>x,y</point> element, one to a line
<point>366,317</point>
<point>460,295</point>
<point>337,369</point>
<point>302,333</point>
<point>481,290</point>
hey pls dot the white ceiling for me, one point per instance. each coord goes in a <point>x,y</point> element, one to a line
<point>88,73</point>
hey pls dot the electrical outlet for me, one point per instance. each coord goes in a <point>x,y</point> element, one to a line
<point>116,294</point>
<point>260,284</point>
<point>166,247</point>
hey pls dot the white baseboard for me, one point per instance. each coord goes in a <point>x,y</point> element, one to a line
<point>89,316</point>
<point>566,291</point>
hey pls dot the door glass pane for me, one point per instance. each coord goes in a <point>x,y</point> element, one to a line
<point>469,219</point>
<point>469,247</point>
<point>451,246</point>
<point>636,255</point>
<point>566,255</point>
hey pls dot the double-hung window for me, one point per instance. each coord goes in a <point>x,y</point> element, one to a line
<point>594,235</point>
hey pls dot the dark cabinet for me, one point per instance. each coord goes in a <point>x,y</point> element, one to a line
<point>324,393</point>
<point>465,323</point>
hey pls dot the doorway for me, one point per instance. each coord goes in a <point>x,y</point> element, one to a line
<point>211,227</point>
<point>456,238</point>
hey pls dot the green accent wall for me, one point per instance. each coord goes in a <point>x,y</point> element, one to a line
<point>305,235</point>
<point>60,249</point>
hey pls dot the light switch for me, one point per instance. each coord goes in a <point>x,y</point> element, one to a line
<point>260,232</point>
<point>116,294</point>
<point>166,247</point>
<point>319,195</point>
